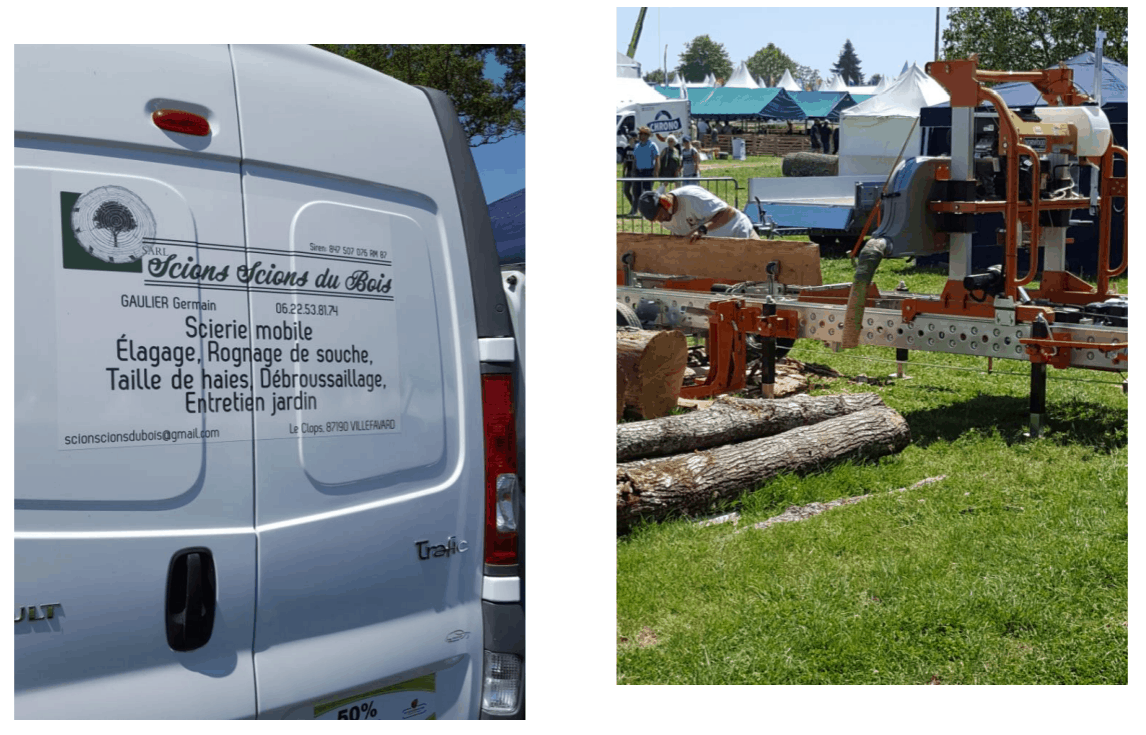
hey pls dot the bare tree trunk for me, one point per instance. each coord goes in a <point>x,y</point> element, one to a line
<point>731,420</point>
<point>691,483</point>
<point>653,364</point>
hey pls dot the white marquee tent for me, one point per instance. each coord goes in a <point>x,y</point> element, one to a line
<point>835,85</point>
<point>872,132</point>
<point>788,83</point>
<point>635,91</point>
<point>741,78</point>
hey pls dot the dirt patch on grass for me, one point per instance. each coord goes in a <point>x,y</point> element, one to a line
<point>646,638</point>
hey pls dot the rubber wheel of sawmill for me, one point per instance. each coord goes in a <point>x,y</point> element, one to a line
<point>626,317</point>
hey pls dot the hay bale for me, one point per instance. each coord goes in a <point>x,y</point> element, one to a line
<point>810,164</point>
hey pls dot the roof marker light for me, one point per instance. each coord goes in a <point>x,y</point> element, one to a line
<point>180,121</point>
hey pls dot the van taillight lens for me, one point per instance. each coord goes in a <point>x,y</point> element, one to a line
<point>500,461</point>
<point>178,121</point>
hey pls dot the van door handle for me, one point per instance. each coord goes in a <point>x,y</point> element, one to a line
<point>190,599</point>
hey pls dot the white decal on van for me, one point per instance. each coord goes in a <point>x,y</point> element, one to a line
<point>154,323</point>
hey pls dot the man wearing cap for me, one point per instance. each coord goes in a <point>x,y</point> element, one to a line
<point>693,212</point>
<point>644,160</point>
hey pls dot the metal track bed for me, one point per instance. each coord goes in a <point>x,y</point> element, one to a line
<point>883,323</point>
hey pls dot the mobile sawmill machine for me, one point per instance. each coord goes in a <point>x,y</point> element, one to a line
<point>1024,166</point>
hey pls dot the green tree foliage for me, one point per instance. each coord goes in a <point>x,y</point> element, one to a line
<point>703,55</point>
<point>770,62</point>
<point>489,110</point>
<point>1020,39</point>
<point>656,76</point>
<point>807,77</point>
<point>848,65</point>
<point>875,79</point>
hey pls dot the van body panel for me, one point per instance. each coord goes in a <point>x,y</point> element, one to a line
<point>104,652</point>
<point>363,119</point>
<point>108,93</point>
<point>104,498</point>
<point>481,249</point>
<point>370,517</point>
<point>344,441</point>
<point>185,381</point>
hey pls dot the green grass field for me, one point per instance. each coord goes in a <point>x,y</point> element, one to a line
<point>1011,570</point>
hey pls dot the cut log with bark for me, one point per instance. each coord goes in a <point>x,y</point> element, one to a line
<point>692,483</point>
<point>653,366</point>
<point>810,164</point>
<point>620,392</point>
<point>731,420</point>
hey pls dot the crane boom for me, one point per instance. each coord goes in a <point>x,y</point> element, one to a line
<point>637,33</point>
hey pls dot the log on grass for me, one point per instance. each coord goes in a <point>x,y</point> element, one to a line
<point>653,365</point>
<point>731,420</point>
<point>691,483</point>
<point>810,164</point>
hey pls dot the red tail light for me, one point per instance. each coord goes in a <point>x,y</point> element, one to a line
<point>178,121</point>
<point>500,462</point>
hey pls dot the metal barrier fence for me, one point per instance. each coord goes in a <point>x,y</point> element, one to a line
<point>725,187</point>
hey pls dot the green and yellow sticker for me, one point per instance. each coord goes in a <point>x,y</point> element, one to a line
<point>408,700</point>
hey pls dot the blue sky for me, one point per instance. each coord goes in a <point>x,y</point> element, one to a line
<point>883,37</point>
<point>500,165</point>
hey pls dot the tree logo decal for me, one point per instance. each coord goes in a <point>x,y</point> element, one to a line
<point>112,224</point>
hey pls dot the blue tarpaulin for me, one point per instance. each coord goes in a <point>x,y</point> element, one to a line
<point>824,105</point>
<point>738,103</point>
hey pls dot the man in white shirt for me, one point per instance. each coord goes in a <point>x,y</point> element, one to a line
<point>693,212</point>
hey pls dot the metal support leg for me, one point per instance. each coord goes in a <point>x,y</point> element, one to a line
<point>1038,398</point>
<point>1039,330</point>
<point>962,169</point>
<point>901,357</point>
<point>768,386</point>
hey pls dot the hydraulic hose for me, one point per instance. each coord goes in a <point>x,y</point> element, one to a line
<point>867,261</point>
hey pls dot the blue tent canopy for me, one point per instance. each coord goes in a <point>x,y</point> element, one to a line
<point>735,103</point>
<point>825,105</point>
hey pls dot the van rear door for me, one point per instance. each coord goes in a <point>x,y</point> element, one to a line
<point>369,461</point>
<point>134,502</point>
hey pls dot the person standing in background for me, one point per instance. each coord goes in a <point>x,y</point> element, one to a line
<point>628,170</point>
<point>668,165</point>
<point>690,160</point>
<point>645,154</point>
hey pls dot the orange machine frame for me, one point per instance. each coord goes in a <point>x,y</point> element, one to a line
<point>964,82</point>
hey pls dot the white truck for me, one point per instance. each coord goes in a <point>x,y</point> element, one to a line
<point>670,117</point>
<point>267,395</point>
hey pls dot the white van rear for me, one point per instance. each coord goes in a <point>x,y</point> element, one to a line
<point>266,460</point>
